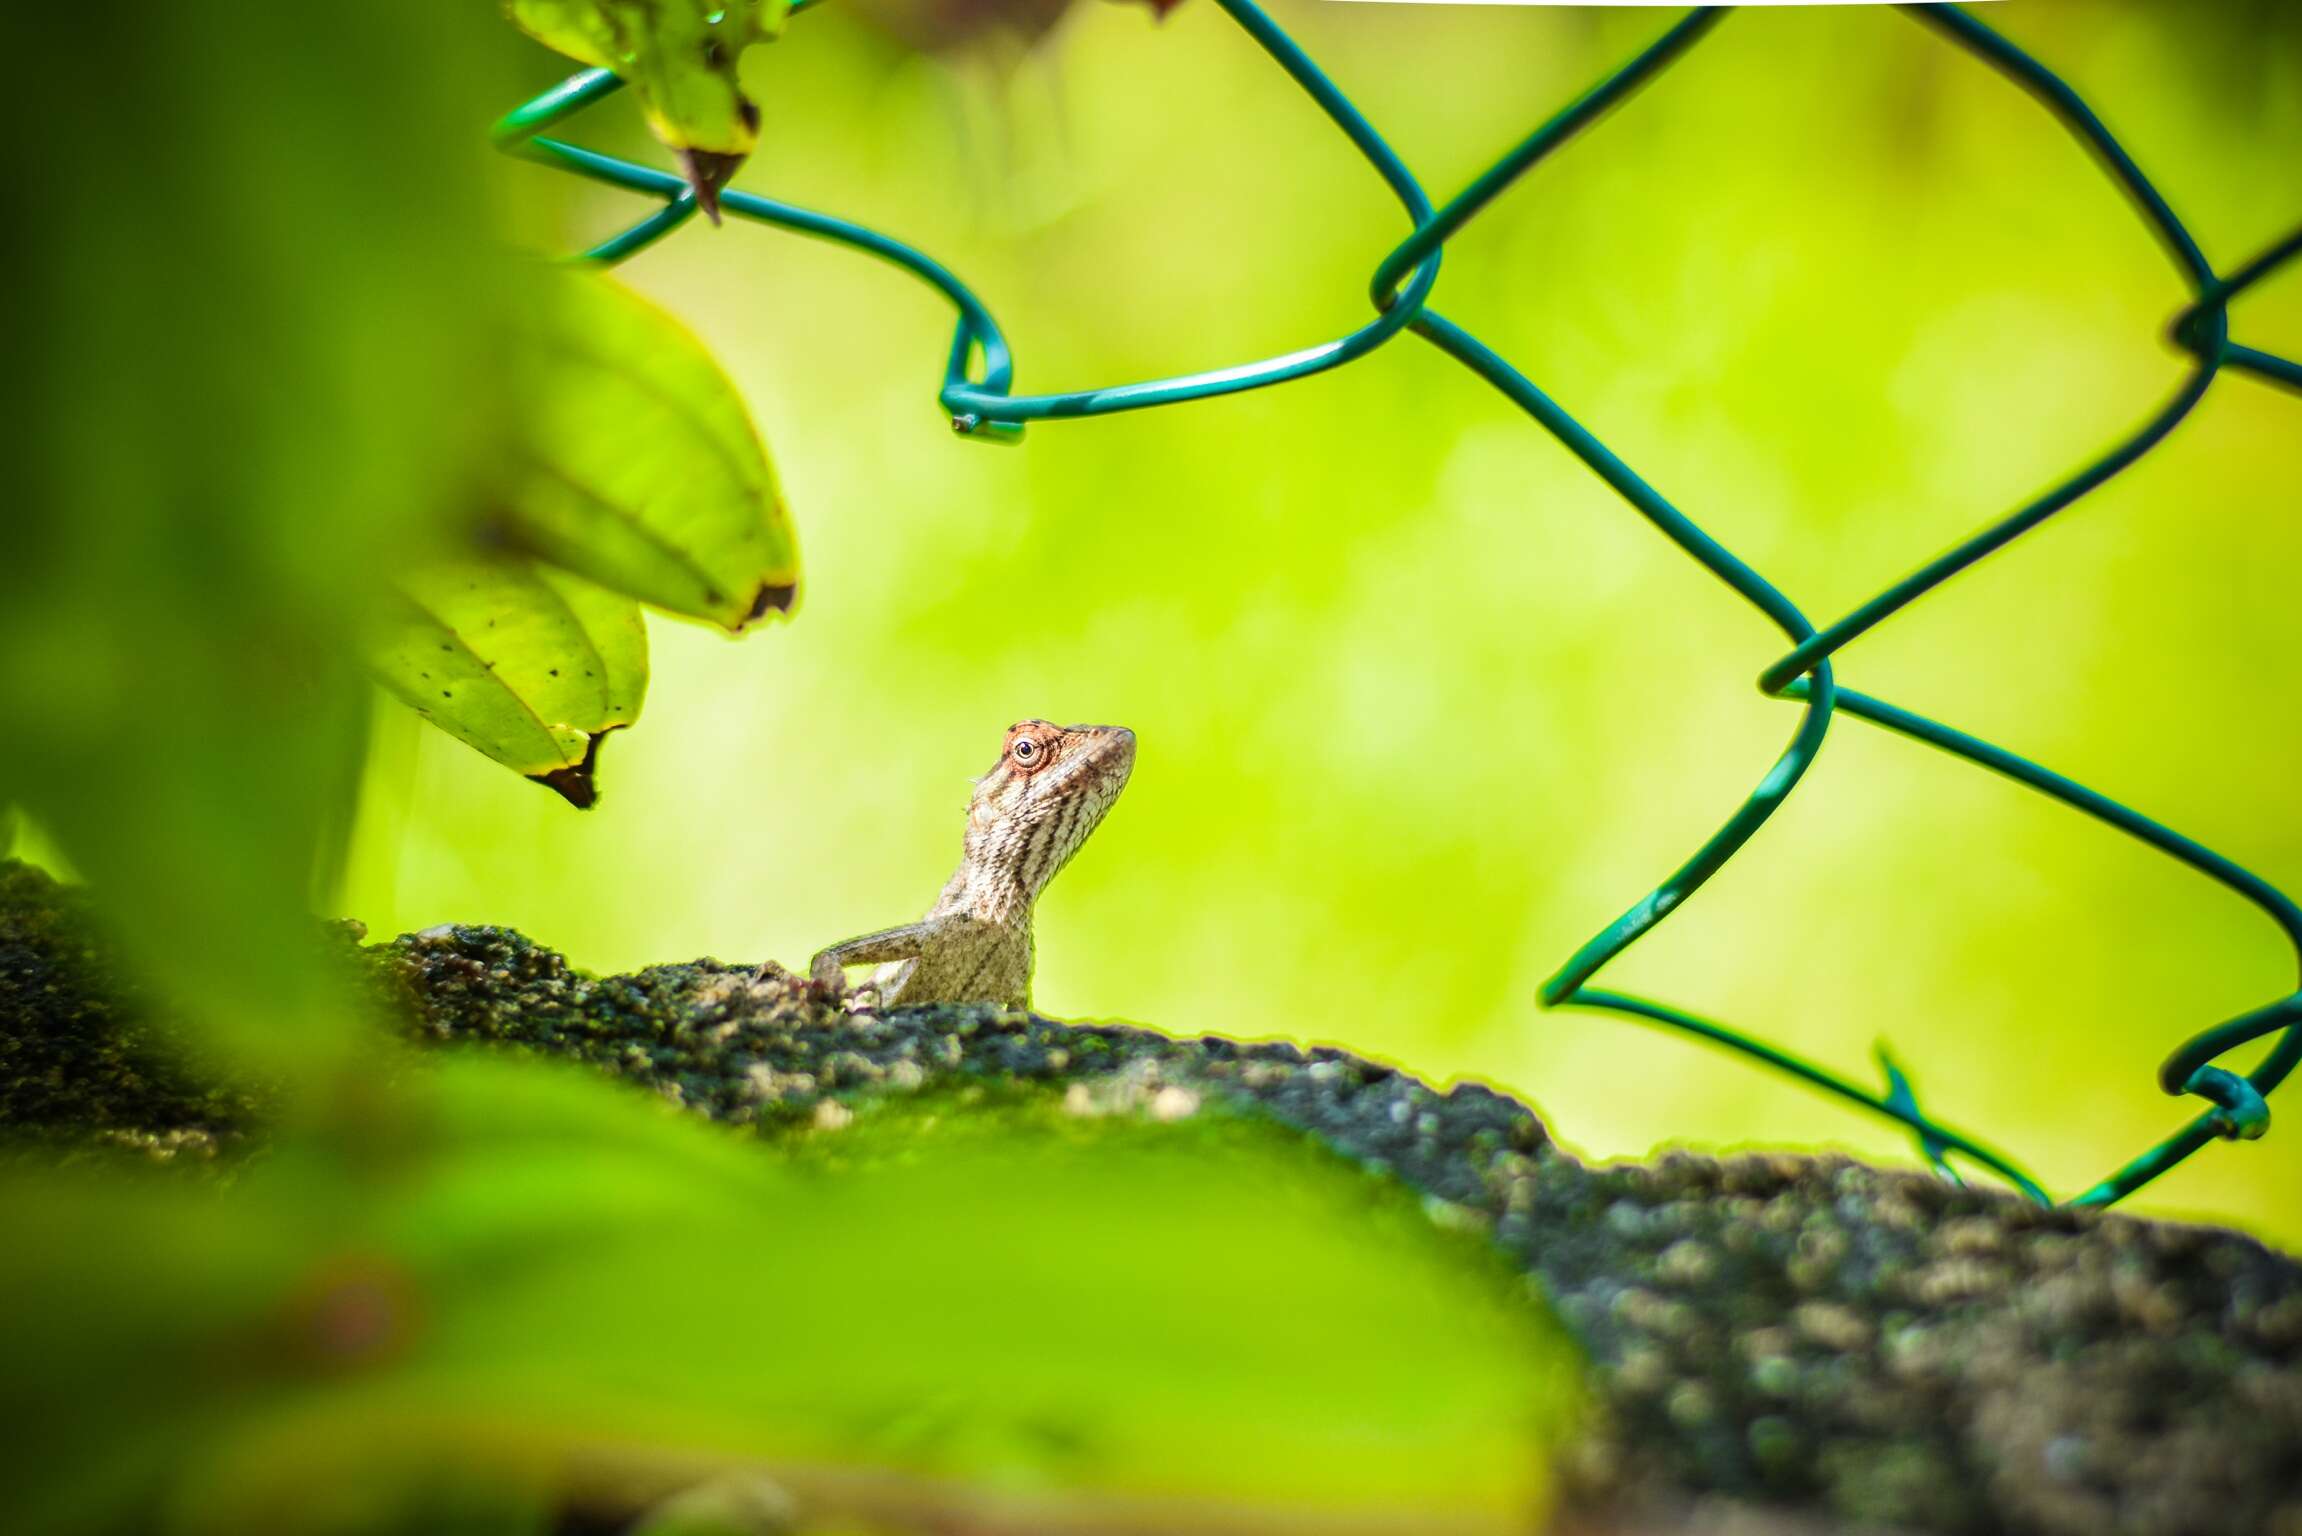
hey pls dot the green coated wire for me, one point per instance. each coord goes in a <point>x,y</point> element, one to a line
<point>1905,1111</point>
<point>2216,295</point>
<point>1997,536</point>
<point>981,402</point>
<point>2240,1110</point>
<point>966,400</point>
<point>2203,330</point>
<point>1434,231</point>
<point>1682,531</point>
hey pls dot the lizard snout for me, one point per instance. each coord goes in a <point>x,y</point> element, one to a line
<point>1104,751</point>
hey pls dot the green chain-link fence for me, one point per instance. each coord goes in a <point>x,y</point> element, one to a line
<point>977,392</point>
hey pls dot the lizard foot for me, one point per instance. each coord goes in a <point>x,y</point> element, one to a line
<point>827,973</point>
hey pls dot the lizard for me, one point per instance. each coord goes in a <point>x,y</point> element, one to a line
<point>1027,817</point>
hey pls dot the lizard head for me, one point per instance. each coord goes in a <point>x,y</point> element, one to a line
<point>1046,793</point>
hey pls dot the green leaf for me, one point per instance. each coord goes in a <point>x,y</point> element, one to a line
<point>643,471</point>
<point>640,479</point>
<point>618,636</point>
<point>530,666</point>
<point>981,1313</point>
<point>681,58</point>
<point>210,456</point>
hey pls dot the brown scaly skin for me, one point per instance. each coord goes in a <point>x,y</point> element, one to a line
<point>1028,816</point>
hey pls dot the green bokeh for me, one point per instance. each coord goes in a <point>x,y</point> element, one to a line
<point>1421,703</point>
<point>1017,1317</point>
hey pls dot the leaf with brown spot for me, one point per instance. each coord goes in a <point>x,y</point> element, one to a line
<point>528,665</point>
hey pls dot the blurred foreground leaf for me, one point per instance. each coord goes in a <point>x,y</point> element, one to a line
<point>527,665</point>
<point>248,368</point>
<point>644,472</point>
<point>998,1316</point>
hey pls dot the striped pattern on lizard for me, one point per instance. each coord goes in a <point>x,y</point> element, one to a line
<point>1028,816</point>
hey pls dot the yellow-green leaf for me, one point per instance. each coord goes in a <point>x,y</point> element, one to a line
<point>681,58</point>
<point>642,469</point>
<point>529,666</point>
<point>612,623</point>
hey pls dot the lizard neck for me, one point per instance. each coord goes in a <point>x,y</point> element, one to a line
<point>998,877</point>
<point>988,894</point>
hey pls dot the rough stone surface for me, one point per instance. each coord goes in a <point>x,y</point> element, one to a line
<point>79,1056</point>
<point>1788,1333</point>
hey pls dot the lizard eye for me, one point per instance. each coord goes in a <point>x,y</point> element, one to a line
<point>1025,751</point>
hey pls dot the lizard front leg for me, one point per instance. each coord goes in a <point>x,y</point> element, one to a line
<point>828,968</point>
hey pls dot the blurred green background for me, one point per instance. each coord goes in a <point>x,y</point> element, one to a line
<point>1422,704</point>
